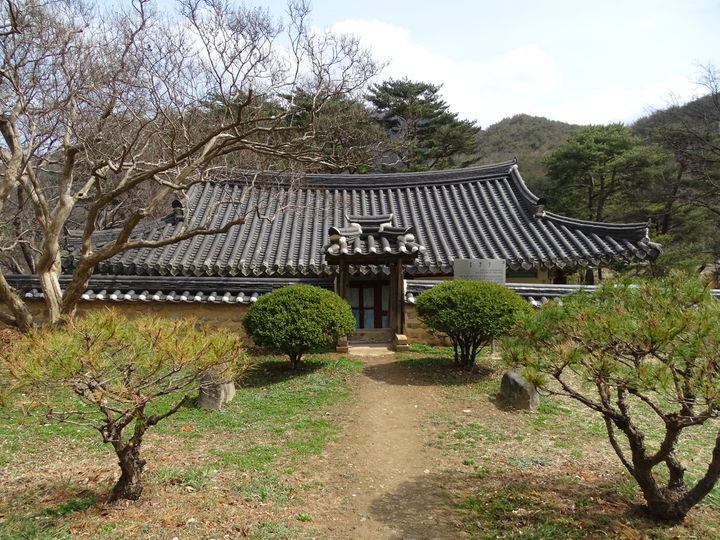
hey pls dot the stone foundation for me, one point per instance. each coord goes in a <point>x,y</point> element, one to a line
<point>417,332</point>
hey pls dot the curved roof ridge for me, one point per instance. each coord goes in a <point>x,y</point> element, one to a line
<point>384,179</point>
<point>600,225</point>
<point>595,226</point>
<point>490,168</point>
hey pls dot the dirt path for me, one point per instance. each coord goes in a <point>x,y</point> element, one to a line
<point>381,479</point>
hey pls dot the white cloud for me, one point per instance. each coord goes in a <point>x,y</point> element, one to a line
<point>485,91</point>
<point>617,104</point>
<point>520,80</point>
<point>651,21</point>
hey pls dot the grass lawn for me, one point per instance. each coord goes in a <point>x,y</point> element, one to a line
<point>251,470</point>
<point>236,472</point>
<point>545,474</point>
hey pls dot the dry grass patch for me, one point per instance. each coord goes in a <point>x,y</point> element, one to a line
<point>550,473</point>
<point>234,473</point>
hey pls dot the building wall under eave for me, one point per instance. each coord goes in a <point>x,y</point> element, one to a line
<point>228,316</point>
<point>533,276</point>
<point>218,315</point>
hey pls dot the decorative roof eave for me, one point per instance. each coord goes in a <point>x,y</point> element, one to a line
<point>169,289</point>
<point>246,291</point>
<point>371,240</point>
<point>372,259</point>
<point>631,231</point>
<point>649,252</point>
<point>416,263</point>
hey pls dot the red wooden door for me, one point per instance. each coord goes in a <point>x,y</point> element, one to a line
<point>370,301</point>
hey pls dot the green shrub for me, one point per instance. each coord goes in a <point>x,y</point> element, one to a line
<point>470,313</point>
<point>297,319</point>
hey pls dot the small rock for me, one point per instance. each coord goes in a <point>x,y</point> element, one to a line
<point>517,392</point>
<point>215,395</point>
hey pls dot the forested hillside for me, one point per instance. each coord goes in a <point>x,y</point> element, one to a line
<point>665,167</point>
<point>528,138</point>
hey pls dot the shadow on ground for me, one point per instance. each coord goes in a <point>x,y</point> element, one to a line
<point>428,371</point>
<point>35,513</point>
<point>422,507</point>
<point>262,374</point>
<point>517,505</point>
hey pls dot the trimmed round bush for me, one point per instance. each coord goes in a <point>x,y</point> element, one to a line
<point>470,313</point>
<point>298,318</point>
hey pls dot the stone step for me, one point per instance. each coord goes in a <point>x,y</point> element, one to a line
<point>372,335</point>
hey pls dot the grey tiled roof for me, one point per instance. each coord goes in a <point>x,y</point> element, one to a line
<point>535,293</point>
<point>481,212</point>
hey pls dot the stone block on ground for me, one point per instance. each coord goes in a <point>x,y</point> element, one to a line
<point>401,342</point>
<point>215,394</point>
<point>342,345</point>
<point>517,392</point>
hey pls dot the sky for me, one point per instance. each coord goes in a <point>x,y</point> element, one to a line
<point>579,61</point>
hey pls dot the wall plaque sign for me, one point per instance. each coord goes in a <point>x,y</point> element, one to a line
<point>480,270</point>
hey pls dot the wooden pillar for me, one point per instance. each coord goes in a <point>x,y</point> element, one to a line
<point>396,297</point>
<point>343,280</point>
<point>401,297</point>
<point>342,283</point>
<point>397,276</point>
<point>392,307</point>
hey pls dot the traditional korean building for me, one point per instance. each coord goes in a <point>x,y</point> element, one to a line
<point>378,240</point>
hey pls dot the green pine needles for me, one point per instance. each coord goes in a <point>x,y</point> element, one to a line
<point>646,356</point>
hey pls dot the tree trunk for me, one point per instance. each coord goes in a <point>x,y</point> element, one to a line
<point>668,505</point>
<point>24,247</point>
<point>49,269</point>
<point>129,486</point>
<point>20,317</point>
<point>50,284</point>
<point>667,210</point>
<point>75,289</point>
<point>467,360</point>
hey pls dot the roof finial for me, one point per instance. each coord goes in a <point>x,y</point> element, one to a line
<point>178,211</point>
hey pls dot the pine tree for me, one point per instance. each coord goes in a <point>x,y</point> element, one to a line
<point>424,133</point>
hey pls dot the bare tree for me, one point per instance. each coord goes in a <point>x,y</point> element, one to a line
<point>98,105</point>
